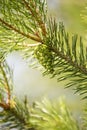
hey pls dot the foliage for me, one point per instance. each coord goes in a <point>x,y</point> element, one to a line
<point>8,121</point>
<point>26,18</point>
<point>38,116</point>
<point>50,116</point>
<point>6,85</point>
<point>62,56</point>
<point>57,52</point>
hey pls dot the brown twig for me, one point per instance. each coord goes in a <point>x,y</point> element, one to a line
<point>22,33</point>
<point>5,106</point>
<point>6,86</point>
<point>69,60</point>
<point>36,15</point>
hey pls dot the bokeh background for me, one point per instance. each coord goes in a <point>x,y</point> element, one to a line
<point>29,81</point>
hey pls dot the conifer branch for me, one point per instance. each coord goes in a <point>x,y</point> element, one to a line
<point>69,61</point>
<point>5,104</point>
<point>48,115</point>
<point>19,32</point>
<point>56,51</point>
<point>36,15</point>
<point>62,58</point>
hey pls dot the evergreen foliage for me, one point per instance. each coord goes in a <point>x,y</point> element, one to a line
<point>62,56</point>
<point>57,52</point>
<point>50,116</point>
<point>6,85</point>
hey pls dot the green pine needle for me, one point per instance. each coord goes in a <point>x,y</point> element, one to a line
<point>50,116</point>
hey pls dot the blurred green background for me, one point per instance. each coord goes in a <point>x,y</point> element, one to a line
<point>69,11</point>
<point>29,81</point>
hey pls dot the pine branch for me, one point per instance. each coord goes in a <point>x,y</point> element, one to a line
<point>43,113</point>
<point>36,15</point>
<point>19,32</point>
<point>5,86</point>
<point>29,20</point>
<point>65,61</point>
<point>21,20</point>
<point>11,105</point>
<point>49,116</point>
<point>57,52</point>
<point>10,119</point>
